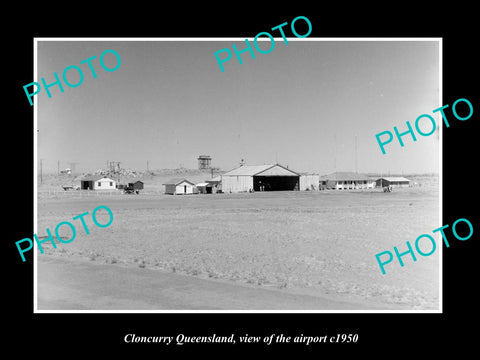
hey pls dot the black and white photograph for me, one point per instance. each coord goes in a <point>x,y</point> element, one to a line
<point>259,187</point>
<point>228,180</point>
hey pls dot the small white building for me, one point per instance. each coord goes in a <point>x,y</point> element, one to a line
<point>309,182</point>
<point>97,183</point>
<point>179,187</point>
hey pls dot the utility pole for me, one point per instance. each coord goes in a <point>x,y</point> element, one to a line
<point>41,179</point>
<point>356,170</point>
<point>58,167</point>
<point>147,165</point>
<point>335,152</point>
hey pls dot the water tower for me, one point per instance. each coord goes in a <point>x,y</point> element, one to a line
<point>204,162</point>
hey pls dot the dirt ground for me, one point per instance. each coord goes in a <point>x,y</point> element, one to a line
<point>78,284</point>
<point>316,243</point>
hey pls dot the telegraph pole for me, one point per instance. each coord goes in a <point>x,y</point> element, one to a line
<point>356,170</point>
<point>335,152</point>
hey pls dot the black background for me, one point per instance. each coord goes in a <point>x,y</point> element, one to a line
<point>384,335</point>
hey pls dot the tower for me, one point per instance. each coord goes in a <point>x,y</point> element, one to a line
<point>204,162</point>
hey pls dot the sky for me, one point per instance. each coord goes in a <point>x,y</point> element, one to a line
<point>304,105</point>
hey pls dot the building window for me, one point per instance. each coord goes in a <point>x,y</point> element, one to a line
<point>99,184</point>
<point>111,183</point>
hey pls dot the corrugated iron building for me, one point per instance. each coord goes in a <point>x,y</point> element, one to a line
<point>260,178</point>
<point>309,182</point>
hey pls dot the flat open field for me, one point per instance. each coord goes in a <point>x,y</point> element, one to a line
<point>315,243</point>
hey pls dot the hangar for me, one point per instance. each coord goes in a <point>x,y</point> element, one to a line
<point>260,178</point>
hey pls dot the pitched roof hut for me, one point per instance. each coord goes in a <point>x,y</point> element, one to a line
<point>179,186</point>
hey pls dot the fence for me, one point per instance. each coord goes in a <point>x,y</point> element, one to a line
<point>60,193</point>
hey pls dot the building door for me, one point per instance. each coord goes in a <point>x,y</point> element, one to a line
<point>184,189</point>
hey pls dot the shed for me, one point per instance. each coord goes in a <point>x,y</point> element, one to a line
<point>216,184</point>
<point>215,180</point>
<point>309,181</point>
<point>345,180</point>
<point>99,182</point>
<point>394,181</point>
<point>179,186</point>
<point>136,185</point>
<point>132,185</point>
<point>204,188</point>
<point>260,178</point>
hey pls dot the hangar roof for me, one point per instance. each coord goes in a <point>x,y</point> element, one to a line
<point>263,170</point>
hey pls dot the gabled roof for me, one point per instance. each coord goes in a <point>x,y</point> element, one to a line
<point>215,179</point>
<point>134,181</point>
<point>394,178</point>
<point>346,176</point>
<point>204,184</point>
<point>178,181</point>
<point>252,170</point>
<point>95,178</point>
<point>277,170</point>
<point>247,170</point>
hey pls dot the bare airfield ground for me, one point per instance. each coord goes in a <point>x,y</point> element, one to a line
<point>319,244</point>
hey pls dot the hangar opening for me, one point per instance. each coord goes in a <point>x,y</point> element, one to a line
<point>275,183</point>
<point>260,178</point>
